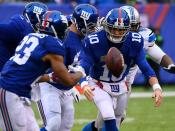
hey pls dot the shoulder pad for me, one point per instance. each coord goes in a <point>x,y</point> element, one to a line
<point>135,40</point>
<point>95,37</point>
<point>147,34</point>
<point>18,18</point>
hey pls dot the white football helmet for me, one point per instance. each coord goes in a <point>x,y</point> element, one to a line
<point>134,17</point>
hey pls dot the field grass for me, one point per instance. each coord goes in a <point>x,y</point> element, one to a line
<point>141,115</point>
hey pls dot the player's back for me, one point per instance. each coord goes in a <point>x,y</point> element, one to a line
<point>26,65</point>
<point>18,27</point>
<point>98,44</point>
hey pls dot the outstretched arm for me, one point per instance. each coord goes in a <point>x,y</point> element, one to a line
<point>161,58</point>
<point>150,75</point>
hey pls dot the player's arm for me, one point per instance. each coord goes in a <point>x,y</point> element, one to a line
<point>58,67</point>
<point>150,75</point>
<point>86,61</point>
<point>161,58</point>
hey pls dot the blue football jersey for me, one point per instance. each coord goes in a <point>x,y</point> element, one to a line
<point>95,48</point>
<point>73,45</point>
<point>26,65</point>
<point>11,35</point>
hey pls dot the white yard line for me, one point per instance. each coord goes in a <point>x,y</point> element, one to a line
<point>144,94</point>
<point>149,94</point>
<point>133,95</point>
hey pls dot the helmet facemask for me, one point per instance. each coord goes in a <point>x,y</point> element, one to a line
<point>135,27</point>
<point>115,34</point>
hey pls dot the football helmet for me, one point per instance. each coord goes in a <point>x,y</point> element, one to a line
<point>134,17</point>
<point>116,24</point>
<point>33,12</point>
<point>85,17</point>
<point>54,23</point>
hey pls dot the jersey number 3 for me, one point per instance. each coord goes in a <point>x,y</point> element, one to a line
<point>23,51</point>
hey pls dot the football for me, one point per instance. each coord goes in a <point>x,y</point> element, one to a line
<point>114,61</point>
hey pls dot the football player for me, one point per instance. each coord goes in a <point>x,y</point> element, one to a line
<point>33,56</point>
<point>19,26</point>
<point>107,91</point>
<point>56,104</point>
<point>151,49</point>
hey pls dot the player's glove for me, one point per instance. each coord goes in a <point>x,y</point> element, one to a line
<point>170,68</point>
<point>76,69</point>
<point>76,94</point>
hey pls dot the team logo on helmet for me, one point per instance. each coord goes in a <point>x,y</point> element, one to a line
<point>37,10</point>
<point>119,22</point>
<point>85,15</point>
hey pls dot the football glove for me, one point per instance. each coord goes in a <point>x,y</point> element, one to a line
<point>76,95</point>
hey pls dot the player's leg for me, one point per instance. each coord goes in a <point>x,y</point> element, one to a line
<point>14,112</point>
<point>121,105</point>
<point>31,121</point>
<point>2,121</point>
<point>95,125</point>
<point>50,107</point>
<point>67,114</point>
<point>104,103</point>
<point>99,123</point>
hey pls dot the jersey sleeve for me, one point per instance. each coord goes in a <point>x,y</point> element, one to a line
<point>143,64</point>
<point>86,59</point>
<point>140,57</point>
<point>54,46</point>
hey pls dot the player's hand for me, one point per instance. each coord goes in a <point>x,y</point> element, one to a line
<point>170,68</point>
<point>157,95</point>
<point>76,69</point>
<point>87,91</point>
<point>76,95</point>
<point>73,28</point>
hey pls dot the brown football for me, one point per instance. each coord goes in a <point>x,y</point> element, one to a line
<point>114,61</point>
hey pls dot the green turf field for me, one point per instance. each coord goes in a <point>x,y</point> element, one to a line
<point>141,116</point>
